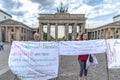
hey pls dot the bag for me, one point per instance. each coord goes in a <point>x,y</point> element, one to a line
<point>91,58</point>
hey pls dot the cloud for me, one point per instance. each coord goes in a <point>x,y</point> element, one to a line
<point>102,10</point>
<point>11,5</point>
<point>94,24</point>
<point>92,2</point>
<point>47,6</point>
<point>27,11</point>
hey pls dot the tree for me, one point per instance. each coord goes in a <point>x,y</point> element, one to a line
<point>45,37</point>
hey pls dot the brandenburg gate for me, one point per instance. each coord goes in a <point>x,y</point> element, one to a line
<point>62,18</point>
<point>65,19</point>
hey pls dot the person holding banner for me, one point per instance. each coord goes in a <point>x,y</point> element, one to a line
<point>82,59</point>
<point>37,38</point>
<point>85,60</point>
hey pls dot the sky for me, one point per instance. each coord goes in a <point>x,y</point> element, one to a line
<point>97,12</point>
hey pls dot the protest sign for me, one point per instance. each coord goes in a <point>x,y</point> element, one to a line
<point>113,53</point>
<point>82,47</point>
<point>34,60</point>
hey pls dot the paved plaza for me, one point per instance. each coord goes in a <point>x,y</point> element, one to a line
<point>68,69</point>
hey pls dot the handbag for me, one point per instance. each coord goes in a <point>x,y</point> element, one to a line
<point>90,59</point>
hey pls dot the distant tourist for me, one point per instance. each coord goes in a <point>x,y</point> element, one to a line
<point>1,45</point>
<point>11,40</point>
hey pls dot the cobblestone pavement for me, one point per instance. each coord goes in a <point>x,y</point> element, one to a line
<point>5,73</point>
<point>68,68</point>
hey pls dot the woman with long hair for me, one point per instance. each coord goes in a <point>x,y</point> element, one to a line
<point>82,59</point>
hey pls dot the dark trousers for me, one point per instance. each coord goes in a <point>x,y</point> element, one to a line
<point>2,48</point>
<point>83,69</point>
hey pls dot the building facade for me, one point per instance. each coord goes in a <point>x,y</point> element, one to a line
<point>14,30</point>
<point>111,30</point>
<point>64,19</point>
<point>4,15</point>
<point>116,18</point>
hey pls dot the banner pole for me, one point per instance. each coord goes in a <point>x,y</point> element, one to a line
<point>107,66</point>
<point>58,78</point>
<point>107,60</point>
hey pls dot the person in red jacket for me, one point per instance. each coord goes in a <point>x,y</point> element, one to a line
<point>82,59</point>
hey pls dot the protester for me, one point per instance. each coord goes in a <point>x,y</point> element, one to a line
<point>37,38</point>
<point>84,60</point>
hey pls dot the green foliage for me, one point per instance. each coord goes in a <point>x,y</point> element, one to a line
<point>45,37</point>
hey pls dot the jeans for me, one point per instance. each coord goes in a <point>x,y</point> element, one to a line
<point>83,69</point>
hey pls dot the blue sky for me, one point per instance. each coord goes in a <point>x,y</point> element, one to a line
<point>98,12</point>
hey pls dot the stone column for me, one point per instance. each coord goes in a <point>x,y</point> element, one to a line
<point>48,32</point>
<point>109,33</point>
<point>100,34</point>
<point>95,35</point>
<point>79,28</point>
<point>105,33</point>
<point>27,34</point>
<point>73,33</point>
<point>41,31</point>
<point>20,32</point>
<point>115,32</point>
<point>56,31</point>
<point>6,34</point>
<point>66,31</point>
<point>0,33</point>
<point>83,28</point>
<point>15,37</point>
<point>23,34</point>
<point>92,35</point>
<point>75,30</point>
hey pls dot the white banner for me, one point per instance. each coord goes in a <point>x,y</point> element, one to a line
<point>113,53</point>
<point>82,47</point>
<point>34,60</point>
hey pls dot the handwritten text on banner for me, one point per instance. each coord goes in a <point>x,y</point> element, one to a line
<point>113,53</point>
<point>34,60</point>
<point>82,47</point>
